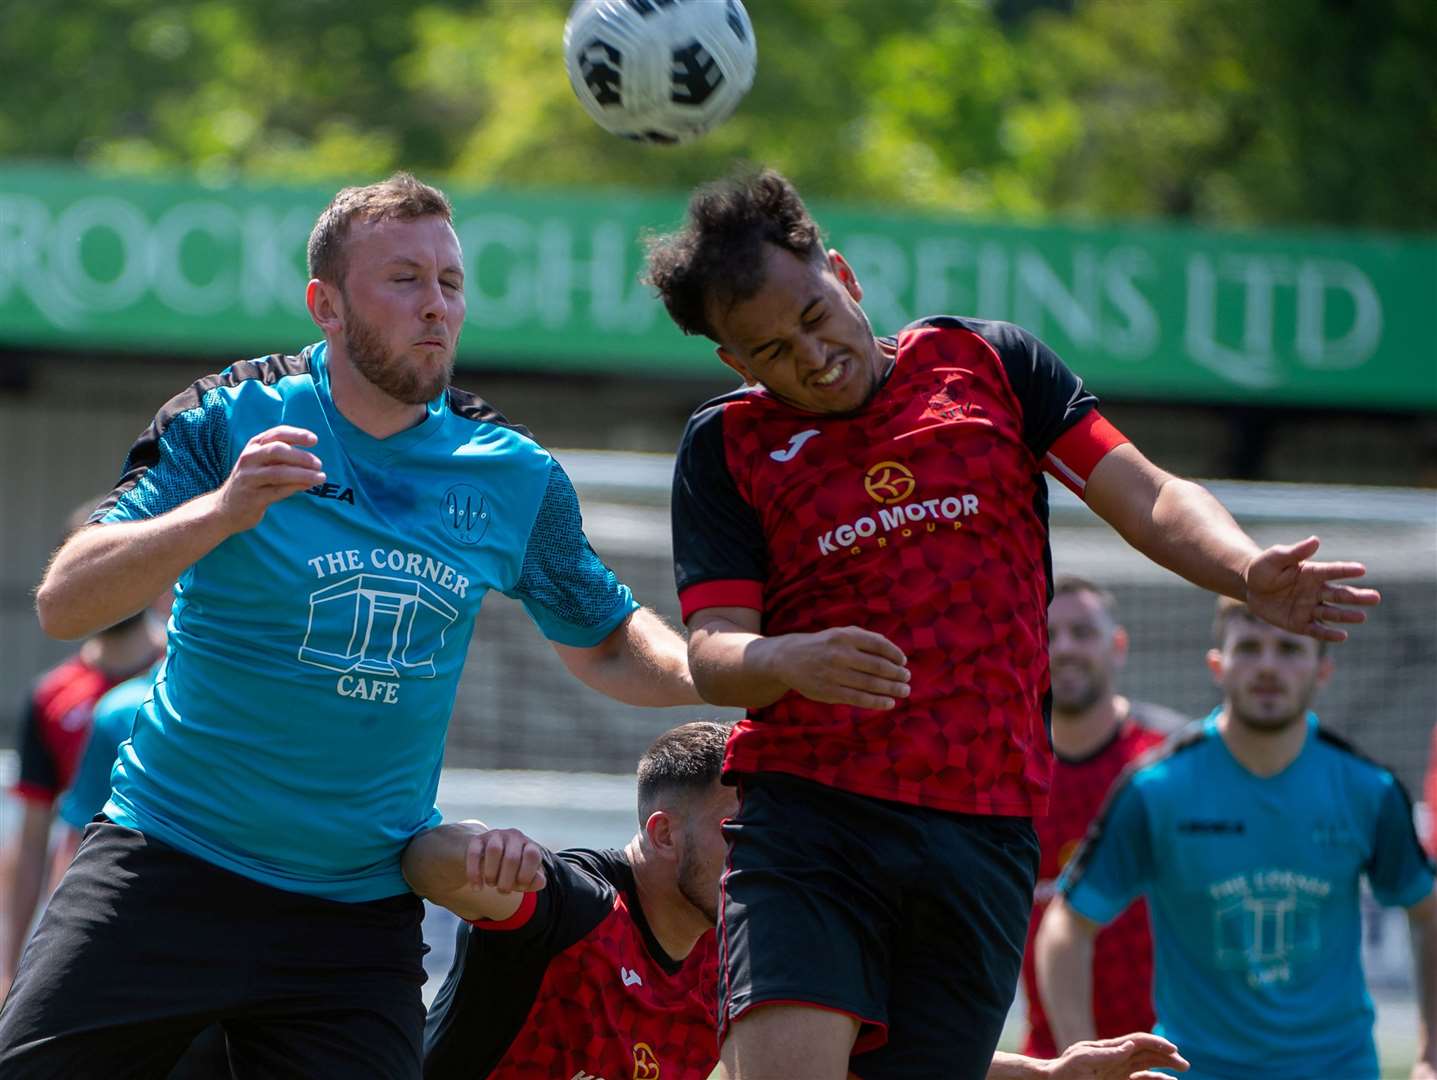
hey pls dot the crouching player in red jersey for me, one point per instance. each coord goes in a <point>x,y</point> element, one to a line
<point>861,549</point>
<point>601,964</point>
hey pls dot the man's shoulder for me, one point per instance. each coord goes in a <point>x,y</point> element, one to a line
<point>265,379</point>
<point>121,702</point>
<point>1166,767</point>
<point>1341,753</point>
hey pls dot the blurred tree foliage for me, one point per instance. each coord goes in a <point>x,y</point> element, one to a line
<point>1223,111</point>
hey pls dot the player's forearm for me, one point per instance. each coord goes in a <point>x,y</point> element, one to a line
<point>1015,1067</point>
<point>1422,920</point>
<point>1176,523</point>
<point>106,573</point>
<point>735,667</point>
<point>644,662</point>
<point>25,883</point>
<point>1063,958</point>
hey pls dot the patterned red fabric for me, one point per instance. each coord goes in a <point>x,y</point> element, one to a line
<point>607,1010</point>
<point>1123,952</point>
<point>55,727</point>
<point>923,518</point>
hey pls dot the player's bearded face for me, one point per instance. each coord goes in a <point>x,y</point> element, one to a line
<point>403,305</point>
<point>1269,676</point>
<point>803,335</point>
<point>1084,652</point>
<point>396,374</point>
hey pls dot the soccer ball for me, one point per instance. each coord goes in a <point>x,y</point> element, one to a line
<point>661,71</point>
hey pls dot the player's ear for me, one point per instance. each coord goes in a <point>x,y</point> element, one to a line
<point>325,309</point>
<point>1325,667</point>
<point>737,365</point>
<point>662,834</point>
<point>841,270</point>
<point>1120,646</point>
<point>1215,665</point>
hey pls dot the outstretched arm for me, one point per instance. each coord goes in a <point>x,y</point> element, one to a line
<point>643,662</point>
<point>1127,1057</point>
<point>1182,526</point>
<point>473,870</point>
<point>104,574</point>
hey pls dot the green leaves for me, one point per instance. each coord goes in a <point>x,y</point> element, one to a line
<point>1286,111</point>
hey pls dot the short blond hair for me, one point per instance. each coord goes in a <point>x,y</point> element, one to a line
<point>400,198</point>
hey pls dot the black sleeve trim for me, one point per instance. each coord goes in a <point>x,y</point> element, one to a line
<point>145,453</point>
<point>717,535</point>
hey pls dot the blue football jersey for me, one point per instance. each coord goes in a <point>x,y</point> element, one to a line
<point>297,724</point>
<point>113,719</point>
<point>1252,884</point>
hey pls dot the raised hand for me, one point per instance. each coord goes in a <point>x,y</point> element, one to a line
<point>272,466</point>
<point>1304,597</point>
<point>845,666</point>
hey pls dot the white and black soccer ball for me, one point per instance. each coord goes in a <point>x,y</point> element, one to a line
<point>661,71</point>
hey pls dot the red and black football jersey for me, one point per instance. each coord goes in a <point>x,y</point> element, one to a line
<point>56,725</point>
<point>923,517</point>
<point>1123,952</point>
<point>574,984</point>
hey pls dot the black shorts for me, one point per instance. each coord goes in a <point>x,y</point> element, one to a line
<point>142,947</point>
<point>909,919</point>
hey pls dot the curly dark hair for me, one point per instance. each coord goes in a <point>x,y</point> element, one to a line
<point>718,254</point>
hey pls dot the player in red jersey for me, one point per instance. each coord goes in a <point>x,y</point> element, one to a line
<point>861,549</point>
<point>602,964</point>
<point>53,731</point>
<point>1096,733</point>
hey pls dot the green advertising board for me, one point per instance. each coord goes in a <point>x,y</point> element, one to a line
<point>1324,319</point>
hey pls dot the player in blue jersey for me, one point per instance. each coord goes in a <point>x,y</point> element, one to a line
<point>334,520</point>
<point>1249,833</point>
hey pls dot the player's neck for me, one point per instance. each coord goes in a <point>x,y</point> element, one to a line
<point>1076,735</point>
<point>362,403</point>
<point>126,651</point>
<point>1262,753</point>
<point>675,923</point>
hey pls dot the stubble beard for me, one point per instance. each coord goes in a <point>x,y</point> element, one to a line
<point>1264,725</point>
<point>403,382</point>
<point>690,888</point>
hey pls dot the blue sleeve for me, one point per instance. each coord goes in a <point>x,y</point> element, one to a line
<point>569,593</point>
<point>1114,862</point>
<point>114,719</point>
<point>182,454</point>
<point>1398,870</point>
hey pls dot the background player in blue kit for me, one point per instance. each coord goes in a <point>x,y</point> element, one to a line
<point>334,519</point>
<point>1249,834</point>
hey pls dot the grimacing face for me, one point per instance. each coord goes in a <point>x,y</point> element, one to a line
<point>1086,648</point>
<point>803,335</point>
<point>403,305</point>
<point>1268,676</point>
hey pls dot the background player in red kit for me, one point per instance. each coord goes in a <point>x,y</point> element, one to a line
<point>1096,733</point>
<point>601,964</point>
<point>861,549</point>
<point>53,732</point>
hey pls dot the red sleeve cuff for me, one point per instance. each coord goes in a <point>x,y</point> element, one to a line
<point>739,592</point>
<point>522,914</point>
<point>31,792</point>
<point>1076,452</point>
